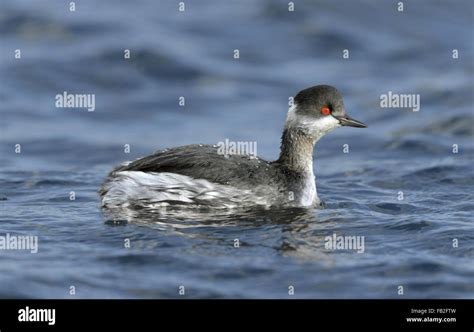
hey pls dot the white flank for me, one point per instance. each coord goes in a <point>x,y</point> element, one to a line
<point>153,188</point>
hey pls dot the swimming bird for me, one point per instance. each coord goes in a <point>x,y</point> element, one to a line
<point>199,176</point>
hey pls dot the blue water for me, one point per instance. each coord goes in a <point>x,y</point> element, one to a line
<point>408,242</point>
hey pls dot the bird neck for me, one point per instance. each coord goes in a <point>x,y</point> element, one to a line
<point>296,152</point>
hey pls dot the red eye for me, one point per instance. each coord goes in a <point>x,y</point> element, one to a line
<point>325,111</point>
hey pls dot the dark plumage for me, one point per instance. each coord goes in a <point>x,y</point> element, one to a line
<point>311,100</point>
<point>204,162</point>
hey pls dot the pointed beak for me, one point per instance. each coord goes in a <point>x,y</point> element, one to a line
<point>346,120</point>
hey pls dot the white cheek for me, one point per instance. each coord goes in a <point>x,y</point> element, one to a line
<point>323,125</point>
<point>315,127</point>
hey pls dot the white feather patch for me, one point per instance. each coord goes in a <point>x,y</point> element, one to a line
<point>317,127</point>
<point>152,188</point>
